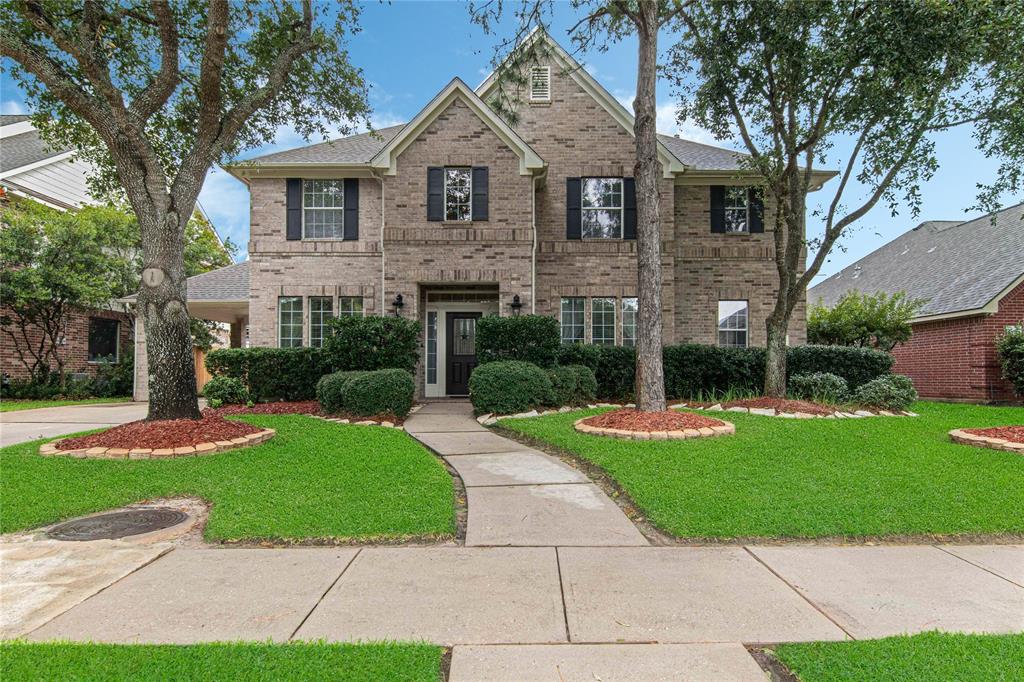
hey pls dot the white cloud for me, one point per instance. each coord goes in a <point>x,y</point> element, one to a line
<point>668,123</point>
<point>10,106</point>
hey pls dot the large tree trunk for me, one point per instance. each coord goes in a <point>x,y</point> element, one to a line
<point>162,305</point>
<point>775,356</point>
<point>650,375</point>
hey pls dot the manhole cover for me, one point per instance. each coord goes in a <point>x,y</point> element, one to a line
<point>117,524</point>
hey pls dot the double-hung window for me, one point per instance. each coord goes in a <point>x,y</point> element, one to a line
<point>289,321</point>
<point>323,209</point>
<point>737,209</point>
<point>602,321</point>
<point>458,194</point>
<point>320,314</point>
<point>350,305</point>
<point>630,306</point>
<point>732,323</point>
<point>602,213</point>
<point>573,319</point>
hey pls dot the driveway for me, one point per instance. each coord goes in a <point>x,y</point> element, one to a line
<point>25,425</point>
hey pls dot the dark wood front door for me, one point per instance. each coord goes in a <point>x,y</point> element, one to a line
<point>460,351</point>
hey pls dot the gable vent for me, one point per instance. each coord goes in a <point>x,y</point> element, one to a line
<point>540,84</point>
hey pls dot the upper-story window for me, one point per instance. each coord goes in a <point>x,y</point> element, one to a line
<point>602,208</point>
<point>737,209</point>
<point>323,209</point>
<point>458,194</point>
<point>540,84</point>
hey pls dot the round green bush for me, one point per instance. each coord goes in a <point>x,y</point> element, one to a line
<point>891,392</point>
<point>586,384</point>
<point>228,390</point>
<point>563,385</point>
<point>1010,349</point>
<point>385,391</point>
<point>509,387</point>
<point>330,389</point>
<point>822,387</point>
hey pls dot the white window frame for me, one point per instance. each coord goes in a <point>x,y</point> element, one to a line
<point>341,209</point>
<point>117,342</point>
<point>727,330</point>
<point>317,318</point>
<point>633,314</point>
<point>604,325</point>
<point>735,208</point>
<point>582,324</point>
<point>469,201</point>
<point>546,71</point>
<point>280,324</point>
<point>621,208</point>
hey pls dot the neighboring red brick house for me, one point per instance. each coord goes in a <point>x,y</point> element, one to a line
<point>972,274</point>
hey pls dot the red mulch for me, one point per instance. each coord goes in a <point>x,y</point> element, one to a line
<point>777,404</point>
<point>295,407</point>
<point>634,420</point>
<point>1014,434</point>
<point>171,433</point>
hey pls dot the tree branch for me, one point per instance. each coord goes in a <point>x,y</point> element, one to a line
<point>159,91</point>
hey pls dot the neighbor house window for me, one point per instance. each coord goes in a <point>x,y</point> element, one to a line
<point>630,306</point>
<point>573,320</point>
<point>736,210</point>
<point>320,315</point>
<point>431,347</point>
<point>732,323</point>
<point>458,193</point>
<point>323,209</point>
<point>602,208</point>
<point>602,321</point>
<point>350,305</point>
<point>540,84</point>
<point>103,339</point>
<point>289,321</point>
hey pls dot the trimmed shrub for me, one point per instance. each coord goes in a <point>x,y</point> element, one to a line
<point>271,373</point>
<point>508,387</point>
<point>857,365</point>
<point>330,390</point>
<point>614,367</point>
<point>820,387</point>
<point>1010,348</point>
<point>371,342</point>
<point>563,385</point>
<point>530,338</point>
<point>227,390</point>
<point>891,392</point>
<point>693,370</point>
<point>384,391</point>
<point>586,384</point>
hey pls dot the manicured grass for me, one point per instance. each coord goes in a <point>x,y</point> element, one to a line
<point>15,405</point>
<point>348,662</point>
<point>814,478</point>
<point>314,479</point>
<point>921,658</point>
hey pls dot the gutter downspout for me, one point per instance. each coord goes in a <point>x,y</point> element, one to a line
<point>383,296</point>
<point>533,252</point>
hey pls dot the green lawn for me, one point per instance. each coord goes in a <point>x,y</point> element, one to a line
<point>15,405</point>
<point>814,478</point>
<point>314,479</point>
<point>348,662</point>
<point>921,658</point>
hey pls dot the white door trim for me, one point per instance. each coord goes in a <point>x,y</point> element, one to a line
<point>442,309</point>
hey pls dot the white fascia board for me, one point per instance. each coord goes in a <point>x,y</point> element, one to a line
<point>13,129</point>
<point>244,170</point>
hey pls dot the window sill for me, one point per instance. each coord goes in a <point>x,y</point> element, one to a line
<point>103,362</point>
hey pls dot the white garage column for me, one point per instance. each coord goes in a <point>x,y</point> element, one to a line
<point>141,390</point>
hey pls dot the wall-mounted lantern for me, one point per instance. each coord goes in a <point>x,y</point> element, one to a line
<point>516,305</point>
<point>397,304</point>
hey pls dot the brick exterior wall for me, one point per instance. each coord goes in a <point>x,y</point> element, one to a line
<point>956,359</point>
<point>75,350</point>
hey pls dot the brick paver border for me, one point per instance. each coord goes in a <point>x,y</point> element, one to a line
<point>211,448</point>
<point>724,429</point>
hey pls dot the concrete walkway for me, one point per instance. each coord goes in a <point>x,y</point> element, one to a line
<point>24,425</point>
<point>517,496</point>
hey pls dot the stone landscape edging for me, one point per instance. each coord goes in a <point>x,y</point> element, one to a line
<point>770,412</point>
<point>964,438</point>
<point>210,448</point>
<point>365,422</point>
<point>725,429</point>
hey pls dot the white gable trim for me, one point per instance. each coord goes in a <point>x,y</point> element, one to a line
<point>386,158</point>
<point>614,107</point>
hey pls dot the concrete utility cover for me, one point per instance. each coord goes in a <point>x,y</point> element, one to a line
<point>117,525</point>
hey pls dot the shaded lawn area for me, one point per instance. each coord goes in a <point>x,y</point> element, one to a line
<point>814,478</point>
<point>15,405</point>
<point>921,658</point>
<point>314,479</point>
<point>348,662</point>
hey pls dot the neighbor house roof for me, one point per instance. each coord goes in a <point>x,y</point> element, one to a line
<point>230,283</point>
<point>23,148</point>
<point>960,268</point>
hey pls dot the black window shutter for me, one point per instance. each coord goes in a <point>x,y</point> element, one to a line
<point>629,208</point>
<point>435,193</point>
<point>756,210</point>
<point>573,206</point>
<point>479,193</point>
<point>293,209</point>
<point>718,208</point>
<point>351,208</point>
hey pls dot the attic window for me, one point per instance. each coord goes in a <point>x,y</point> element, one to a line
<point>540,84</point>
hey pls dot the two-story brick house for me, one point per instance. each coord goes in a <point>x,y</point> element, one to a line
<point>459,213</point>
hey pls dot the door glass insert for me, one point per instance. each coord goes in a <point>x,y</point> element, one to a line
<point>464,342</point>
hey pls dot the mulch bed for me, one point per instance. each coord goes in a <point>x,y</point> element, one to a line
<point>293,407</point>
<point>634,420</point>
<point>777,404</point>
<point>171,433</point>
<point>1014,434</point>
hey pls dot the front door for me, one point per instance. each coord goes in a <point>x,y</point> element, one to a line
<point>460,351</point>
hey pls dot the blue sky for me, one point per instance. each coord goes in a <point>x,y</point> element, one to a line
<point>409,50</point>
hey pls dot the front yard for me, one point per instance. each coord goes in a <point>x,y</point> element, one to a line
<point>313,480</point>
<point>789,478</point>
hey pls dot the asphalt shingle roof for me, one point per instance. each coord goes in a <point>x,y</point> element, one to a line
<point>701,156</point>
<point>957,266</point>
<point>230,283</point>
<point>21,150</point>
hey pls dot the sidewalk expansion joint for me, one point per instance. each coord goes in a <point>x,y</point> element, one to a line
<point>561,590</point>
<point>957,556</point>
<point>318,601</point>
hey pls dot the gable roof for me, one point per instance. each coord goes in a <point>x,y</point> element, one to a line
<point>962,268</point>
<point>230,283</point>
<point>24,149</point>
<point>352,149</point>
